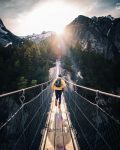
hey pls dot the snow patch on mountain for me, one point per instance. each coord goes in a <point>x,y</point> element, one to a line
<point>39,37</point>
<point>79,75</point>
<point>110,17</point>
<point>99,34</point>
<point>2,31</point>
<point>10,43</point>
<point>8,38</point>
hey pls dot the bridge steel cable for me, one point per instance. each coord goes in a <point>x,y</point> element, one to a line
<point>75,117</point>
<point>92,126</point>
<point>100,125</point>
<point>4,95</point>
<point>93,90</point>
<point>115,129</point>
<point>28,88</point>
<point>97,107</point>
<point>34,115</point>
<point>97,92</point>
<point>39,125</point>
<point>25,122</point>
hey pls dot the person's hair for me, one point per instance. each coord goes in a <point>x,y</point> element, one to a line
<point>59,75</point>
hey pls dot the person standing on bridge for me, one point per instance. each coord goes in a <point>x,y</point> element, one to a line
<point>58,86</point>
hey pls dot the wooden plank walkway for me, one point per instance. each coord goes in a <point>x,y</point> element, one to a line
<point>58,134</point>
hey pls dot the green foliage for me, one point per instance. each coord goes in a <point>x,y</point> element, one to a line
<point>67,63</point>
<point>97,71</point>
<point>25,66</point>
<point>22,82</point>
<point>33,82</point>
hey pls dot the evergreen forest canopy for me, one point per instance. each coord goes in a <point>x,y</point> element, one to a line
<point>25,65</point>
<point>29,63</point>
<point>98,72</point>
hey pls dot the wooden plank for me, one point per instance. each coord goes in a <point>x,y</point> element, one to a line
<point>59,145</point>
<point>49,145</point>
<point>66,130</point>
<point>45,131</point>
<point>73,136</point>
<point>58,135</point>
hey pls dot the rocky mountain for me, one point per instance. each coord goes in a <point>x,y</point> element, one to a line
<point>40,37</point>
<point>6,37</point>
<point>100,34</point>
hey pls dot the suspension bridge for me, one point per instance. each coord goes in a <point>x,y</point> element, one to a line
<point>29,119</point>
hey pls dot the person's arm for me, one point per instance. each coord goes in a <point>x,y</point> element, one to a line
<point>63,84</point>
<point>52,87</point>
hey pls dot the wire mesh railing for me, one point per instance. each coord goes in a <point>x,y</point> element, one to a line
<point>23,114</point>
<point>95,128</point>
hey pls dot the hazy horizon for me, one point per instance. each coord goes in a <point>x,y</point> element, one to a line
<point>23,18</point>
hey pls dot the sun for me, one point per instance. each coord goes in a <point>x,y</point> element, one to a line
<point>47,16</point>
<point>59,31</point>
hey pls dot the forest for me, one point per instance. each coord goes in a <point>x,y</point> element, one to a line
<point>24,65</point>
<point>98,72</point>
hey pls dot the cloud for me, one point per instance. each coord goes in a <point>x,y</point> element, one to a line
<point>97,7</point>
<point>103,8</point>
<point>12,8</point>
<point>14,13</point>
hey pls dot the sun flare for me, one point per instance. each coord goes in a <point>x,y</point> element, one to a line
<point>59,31</point>
<point>49,16</point>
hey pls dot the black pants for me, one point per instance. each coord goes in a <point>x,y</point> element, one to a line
<point>58,94</point>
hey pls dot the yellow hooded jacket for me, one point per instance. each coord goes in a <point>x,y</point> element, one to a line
<point>63,85</point>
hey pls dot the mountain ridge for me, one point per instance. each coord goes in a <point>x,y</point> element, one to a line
<point>7,37</point>
<point>100,34</point>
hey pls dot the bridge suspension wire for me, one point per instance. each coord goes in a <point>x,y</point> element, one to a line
<point>39,126</point>
<point>34,115</point>
<point>92,125</point>
<point>22,90</point>
<point>108,94</point>
<point>26,121</point>
<point>96,129</point>
<point>93,90</point>
<point>75,117</point>
<point>22,104</point>
<point>98,108</point>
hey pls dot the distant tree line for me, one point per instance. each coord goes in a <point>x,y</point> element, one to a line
<point>98,72</point>
<point>25,65</point>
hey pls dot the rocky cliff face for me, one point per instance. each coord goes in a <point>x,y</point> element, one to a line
<point>40,37</point>
<point>6,37</point>
<point>100,34</point>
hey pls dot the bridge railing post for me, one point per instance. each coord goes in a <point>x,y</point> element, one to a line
<point>22,97</point>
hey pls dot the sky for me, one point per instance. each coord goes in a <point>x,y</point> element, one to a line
<point>25,17</point>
